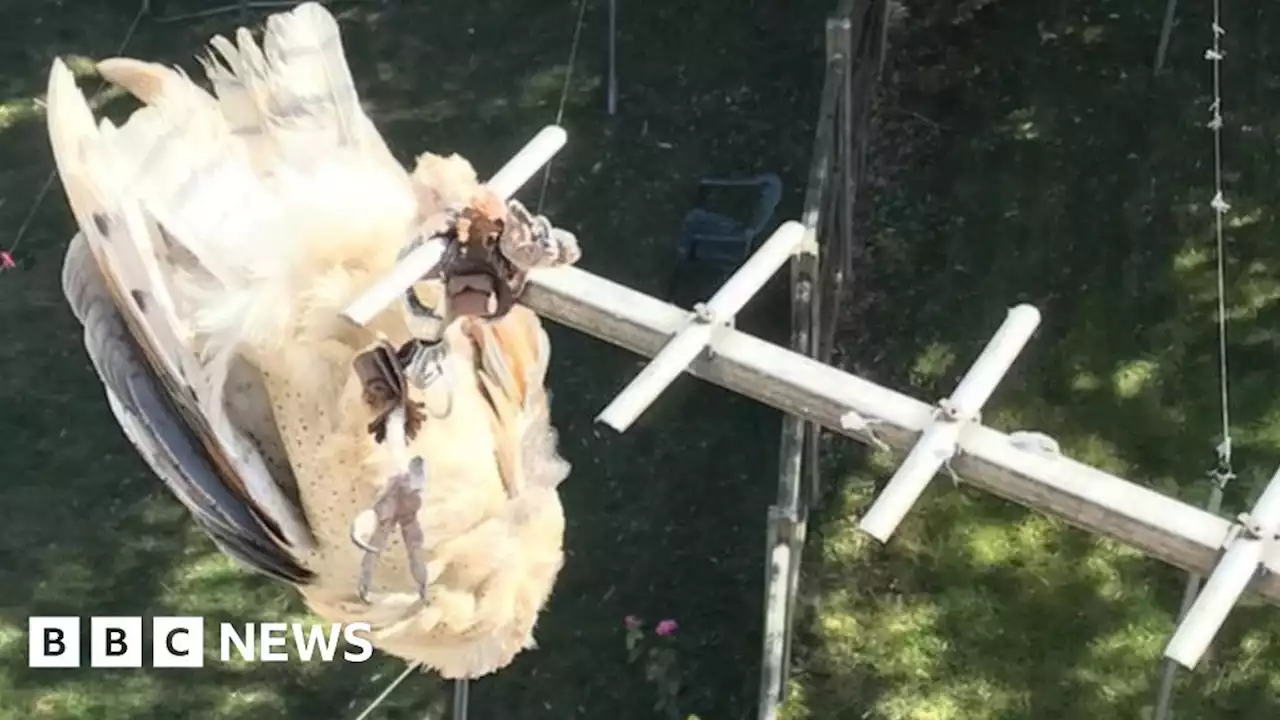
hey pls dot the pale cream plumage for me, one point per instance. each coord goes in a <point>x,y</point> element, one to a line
<point>221,235</point>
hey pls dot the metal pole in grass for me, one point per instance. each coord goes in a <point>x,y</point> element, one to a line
<point>612,100</point>
<point>1170,11</point>
<point>1164,700</point>
<point>461,698</point>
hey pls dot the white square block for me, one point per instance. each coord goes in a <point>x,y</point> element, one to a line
<point>177,642</point>
<point>53,641</point>
<point>115,642</point>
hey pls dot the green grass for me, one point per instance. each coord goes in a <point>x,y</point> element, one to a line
<point>1009,168</point>
<point>1017,167</point>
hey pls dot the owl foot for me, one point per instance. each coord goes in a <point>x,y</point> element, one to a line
<point>530,241</point>
<point>397,505</point>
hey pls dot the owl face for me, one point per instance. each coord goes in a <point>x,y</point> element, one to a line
<point>471,278</point>
<point>489,248</point>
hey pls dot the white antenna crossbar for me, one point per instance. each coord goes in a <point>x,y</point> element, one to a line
<point>1162,527</point>
<point>1246,547</point>
<point>707,320</point>
<point>514,174</point>
<point>939,442</point>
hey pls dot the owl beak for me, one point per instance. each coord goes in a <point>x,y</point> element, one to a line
<point>473,294</point>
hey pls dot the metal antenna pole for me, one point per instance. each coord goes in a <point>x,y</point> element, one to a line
<point>1166,30</point>
<point>461,698</point>
<point>613,57</point>
<point>1164,700</point>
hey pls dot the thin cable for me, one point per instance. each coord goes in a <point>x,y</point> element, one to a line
<point>48,181</point>
<point>564,95</point>
<point>387,692</point>
<point>1223,473</point>
<point>1220,207</point>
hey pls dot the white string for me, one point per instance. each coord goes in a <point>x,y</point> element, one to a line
<point>48,181</point>
<point>387,692</point>
<point>1223,473</point>
<point>564,96</point>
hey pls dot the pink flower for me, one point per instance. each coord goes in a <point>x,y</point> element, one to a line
<point>6,261</point>
<point>631,622</point>
<point>666,627</point>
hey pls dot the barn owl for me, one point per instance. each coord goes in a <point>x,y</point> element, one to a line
<point>402,473</point>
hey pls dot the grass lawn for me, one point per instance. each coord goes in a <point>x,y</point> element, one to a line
<point>1012,165</point>
<point>1028,155</point>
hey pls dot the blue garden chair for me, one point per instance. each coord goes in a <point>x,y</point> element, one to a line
<point>718,240</point>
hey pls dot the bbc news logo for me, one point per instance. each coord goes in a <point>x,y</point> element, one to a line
<point>179,642</point>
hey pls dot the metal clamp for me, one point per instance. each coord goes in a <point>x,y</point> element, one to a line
<point>707,319</point>
<point>1245,545</point>
<point>940,441</point>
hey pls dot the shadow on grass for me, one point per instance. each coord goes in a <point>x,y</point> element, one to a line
<point>1044,164</point>
<point>664,521</point>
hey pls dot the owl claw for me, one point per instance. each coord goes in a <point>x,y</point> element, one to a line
<point>363,529</point>
<point>566,244</point>
<point>397,505</point>
<point>531,241</point>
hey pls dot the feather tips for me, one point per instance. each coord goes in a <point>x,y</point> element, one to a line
<point>122,237</point>
<point>514,354</point>
<point>156,426</point>
<point>294,95</point>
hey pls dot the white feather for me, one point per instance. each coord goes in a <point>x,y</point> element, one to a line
<point>122,230</point>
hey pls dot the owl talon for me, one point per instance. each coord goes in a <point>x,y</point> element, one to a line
<point>531,241</point>
<point>363,531</point>
<point>567,250</point>
<point>397,505</point>
<point>419,569</point>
